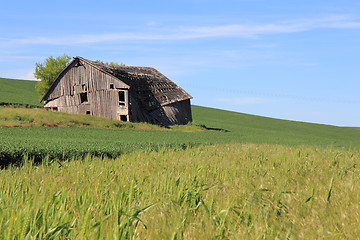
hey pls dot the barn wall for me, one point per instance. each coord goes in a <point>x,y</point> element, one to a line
<point>101,88</point>
<point>171,114</point>
<point>178,112</point>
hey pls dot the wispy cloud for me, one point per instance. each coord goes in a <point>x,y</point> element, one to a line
<point>245,100</point>
<point>25,74</point>
<point>198,32</point>
<point>181,33</point>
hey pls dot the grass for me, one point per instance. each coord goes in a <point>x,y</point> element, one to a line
<point>223,127</point>
<point>64,143</point>
<point>11,116</point>
<point>68,142</point>
<point>19,92</point>
<point>248,128</point>
<point>222,191</point>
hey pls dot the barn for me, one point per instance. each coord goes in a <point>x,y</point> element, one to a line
<point>126,93</point>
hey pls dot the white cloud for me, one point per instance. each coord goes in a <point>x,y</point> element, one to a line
<point>182,33</point>
<point>24,74</point>
<point>245,100</point>
<point>30,76</point>
<point>198,32</point>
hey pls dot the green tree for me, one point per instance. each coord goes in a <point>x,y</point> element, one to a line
<point>48,71</point>
<point>112,64</point>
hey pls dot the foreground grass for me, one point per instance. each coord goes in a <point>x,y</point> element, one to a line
<point>222,191</point>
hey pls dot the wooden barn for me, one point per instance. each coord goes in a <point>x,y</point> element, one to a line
<point>126,93</point>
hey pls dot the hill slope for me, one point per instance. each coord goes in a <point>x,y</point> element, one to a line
<point>256,129</point>
<point>19,92</point>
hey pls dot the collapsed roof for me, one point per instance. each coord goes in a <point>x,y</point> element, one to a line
<point>147,85</point>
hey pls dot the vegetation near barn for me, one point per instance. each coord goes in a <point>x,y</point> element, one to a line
<point>47,71</point>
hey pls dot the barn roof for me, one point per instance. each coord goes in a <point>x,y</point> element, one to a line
<point>146,83</point>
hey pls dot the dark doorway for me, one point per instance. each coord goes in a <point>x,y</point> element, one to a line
<point>123,118</point>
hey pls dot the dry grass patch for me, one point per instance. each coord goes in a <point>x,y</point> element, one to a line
<point>11,116</point>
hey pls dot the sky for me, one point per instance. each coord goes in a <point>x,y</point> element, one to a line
<point>296,60</point>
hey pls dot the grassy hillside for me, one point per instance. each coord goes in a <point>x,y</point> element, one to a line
<point>18,92</point>
<point>256,129</point>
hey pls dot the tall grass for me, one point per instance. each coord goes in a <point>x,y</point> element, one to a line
<point>221,191</point>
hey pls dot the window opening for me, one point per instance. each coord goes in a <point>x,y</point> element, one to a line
<point>122,98</point>
<point>111,86</point>
<point>88,113</point>
<point>54,108</point>
<point>83,97</point>
<point>123,118</point>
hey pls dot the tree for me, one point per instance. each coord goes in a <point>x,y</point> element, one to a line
<point>112,64</point>
<point>48,71</point>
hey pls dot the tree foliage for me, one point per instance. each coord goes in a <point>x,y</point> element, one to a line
<point>48,71</point>
<point>113,64</point>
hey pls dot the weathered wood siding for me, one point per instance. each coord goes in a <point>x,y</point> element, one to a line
<point>171,114</point>
<point>179,112</point>
<point>101,88</point>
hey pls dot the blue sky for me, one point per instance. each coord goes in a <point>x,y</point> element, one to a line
<point>296,60</point>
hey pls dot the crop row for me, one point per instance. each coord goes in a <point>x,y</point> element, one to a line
<point>13,153</point>
<point>67,143</point>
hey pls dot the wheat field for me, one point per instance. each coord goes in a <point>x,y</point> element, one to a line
<point>236,191</point>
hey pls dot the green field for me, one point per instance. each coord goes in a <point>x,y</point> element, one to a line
<point>67,142</point>
<point>227,175</point>
<point>222,127</point>
<point>19,92</point>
